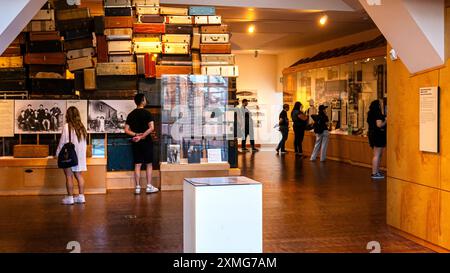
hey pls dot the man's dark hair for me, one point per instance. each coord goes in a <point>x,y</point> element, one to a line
<point>244,100</point>
<point>139,98</point>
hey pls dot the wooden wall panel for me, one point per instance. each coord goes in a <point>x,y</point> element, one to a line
<point>445,129</point>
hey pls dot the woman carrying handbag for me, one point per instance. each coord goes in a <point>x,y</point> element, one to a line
<point>71,155</point>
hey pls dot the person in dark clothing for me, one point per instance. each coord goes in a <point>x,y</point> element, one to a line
<point>300,121</point>
<point>140,125</point>
<point>321,130</point>
<point>377,136</point>
<point>284,129</point>
<point>246,126</point>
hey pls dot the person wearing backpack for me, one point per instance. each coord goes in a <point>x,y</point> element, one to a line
<point>322,134</point>
<point>300,121</point>
<point>73,138</point>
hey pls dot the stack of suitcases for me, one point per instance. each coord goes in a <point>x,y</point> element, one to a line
<point>12,72</point>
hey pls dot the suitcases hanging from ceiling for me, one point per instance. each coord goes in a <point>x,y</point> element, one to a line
<point>175,48</point>
<point>120,47</point>
<point>45,46</point>
<point>215,38</point>
<point>45,36</point>
<point>78,44</point>
<point>176,38</point>
<point>118,12</point>
<point>151,19</point>
<point>207,20</point>
<point>118,34</point>
<point>146,38</point>
<point>173,11</point>
<point>54,58</point>
<point>40,26</point>
<point>83,23</point>
<point>215,48</point>
<point>47,71</point>
<point>147,47</point>
<point>179,29</point>
<point>199,10</point>
<point>214,29</point>
<point>111,69</point>
<point>80,53</point>
<point>72,14</point>
<point>147,10</point>
<point>149,28</point>
<point>118,22</point>
<point>76,34</point>
<point>11,62</point>
<point>80,63</point>
<point>121,58</point>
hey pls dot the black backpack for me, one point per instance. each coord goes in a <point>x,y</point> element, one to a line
<point>67,157</point>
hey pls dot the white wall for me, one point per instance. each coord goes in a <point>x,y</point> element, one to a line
<point>261,74</point>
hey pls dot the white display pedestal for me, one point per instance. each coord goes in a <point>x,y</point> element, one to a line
<point>222,215</point>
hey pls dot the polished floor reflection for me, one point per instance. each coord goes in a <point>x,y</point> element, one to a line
<point>308,207</point>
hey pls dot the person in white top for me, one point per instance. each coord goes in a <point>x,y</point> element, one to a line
<point>78,138</point>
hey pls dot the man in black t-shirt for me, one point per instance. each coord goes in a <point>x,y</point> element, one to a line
<point>140,125</point>
<point>284,128</point>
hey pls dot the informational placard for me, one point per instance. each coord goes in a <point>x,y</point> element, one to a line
<point>429,119</point>
<point>6,118</point>
<point>82,106</point>
<point>214,155</point>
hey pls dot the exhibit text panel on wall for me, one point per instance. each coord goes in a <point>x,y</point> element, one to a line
<point>429,119</point>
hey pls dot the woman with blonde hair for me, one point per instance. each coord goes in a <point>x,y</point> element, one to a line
<point>74,132</point>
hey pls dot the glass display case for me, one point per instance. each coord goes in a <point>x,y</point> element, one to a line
<point>193,119</point>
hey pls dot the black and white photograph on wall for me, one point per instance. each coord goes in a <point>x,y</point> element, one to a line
<point>108,116</point>
<point>39,116</point>
<point>173,154</point>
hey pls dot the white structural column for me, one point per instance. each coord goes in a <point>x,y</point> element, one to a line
<point>16,14</point>
<point>414,28</point>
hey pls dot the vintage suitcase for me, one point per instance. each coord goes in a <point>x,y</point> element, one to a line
<point>199,10</point>
<point>196,38</point>
<point>55,58</point>
<point>172,70</point>
<point>151,87</point>
<point>147,47</point>
<point>176,48</point>
<point>147,10</point>
<point>146,38</point>
<point>178,20</point>
<point>145,2</point>
<point>179,29</point>
<point>118,34</point>
<point>140,64</point>
<point>40,26</point>
<point>108,94</point>
<point>99,25</point>
<point>30,151</point>
<point>52,85</point>
<point>102,49</point>
<point>207,20</point>
<point>47,71</point>
<point>146,65</point>
<point>215,38</point>
<point>45,36</point>
<point>218,59</point>
<point>76,34</point>
<point>121,58</point>
<point>13,85</point>
<point>117,3</point>
<point>178,60</point>
<point>118,12</point>
<point>12,74</point>
<point>196,64</point>
<point>117,82</point>
<point>80,63</point>
<point>225,71</point>
<point>215,48</point>
<point>89,78</point>
<point>110,69</point>
<point>176,38</point>
<point>149,28</point>
<point>11,62</point>
<point>84,23</point>
<point>214,29</point>
<point>173,11</point>
<point>151,19</point>
<point>78,44</point>
<point>118,22</point>
<point>12,51</point>
<point>120,47</point>
<point>72,14</point>
<point>45,15</point>
<point>80,53</point>
<point>45,46</point>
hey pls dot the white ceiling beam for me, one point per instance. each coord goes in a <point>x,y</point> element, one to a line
<point>332,5</point>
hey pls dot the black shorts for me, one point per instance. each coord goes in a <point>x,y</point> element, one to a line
<point>377,139</point>
<point>143,152</point>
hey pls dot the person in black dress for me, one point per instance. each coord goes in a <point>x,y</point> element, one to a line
<point>377,136</point>
<point>139,125</point>
<point>284,129</point>
<point>300,121</point>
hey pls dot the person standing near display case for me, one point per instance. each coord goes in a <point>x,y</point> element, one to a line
<point>77,137</point>
<point>300,121</point>
<point>377,136</point>
<point>246,125</point>
<point>284,129</point>
<point>321,130</point>
<point>139,125</point>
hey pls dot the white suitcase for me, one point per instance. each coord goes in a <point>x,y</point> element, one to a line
<point>215,38</point>
<point>45,15</point>
<point>120,47</point>
<point>176,38</point>
<point>147,47</point>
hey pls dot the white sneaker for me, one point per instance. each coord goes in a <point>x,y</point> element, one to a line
<point>80,199</point>
<point>151,189</point>
<point>137,190</point>
<point>68,200</point>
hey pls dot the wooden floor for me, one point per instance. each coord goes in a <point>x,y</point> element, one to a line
<point>308,207</point>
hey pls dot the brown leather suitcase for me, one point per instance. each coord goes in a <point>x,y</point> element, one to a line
<point>13,85</point>
<point>149,28</point>
<point>151,19</point>
<point>54,58</point>
<point>12,51</point>
<point>45,36</point>
<point>80,53</point>
<point>121,58</point>
<point>215,48</point>
<point>30,151</point>
<point>45,46</point>
<point>40,26</point>
<point>172,70</point>
<point>80,63</point>
<point>12,74</point>
<point>117,82</point>
<point>75,34</point>
<point>111,69</point>
<point>73,14</point>
<point>179,29</point>
<point>173,11</point>
<point>44,15</point>
<point>102,49</point>
<point>118,22</point>
<point>85,23</point>
<point>78,44</point>
<point>214,29</point>
<point>118,34</point>
<point>47,71</point>
<point>89,79</point>
<point>127,11</point>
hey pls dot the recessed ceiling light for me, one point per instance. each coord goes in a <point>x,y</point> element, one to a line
<point>251,29</point>
<point>323,20</point>
<point>251,9</point>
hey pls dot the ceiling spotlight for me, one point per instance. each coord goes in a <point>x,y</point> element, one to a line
<point>323,20</point>
<point>251,29</point>
<point>251,9</point>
